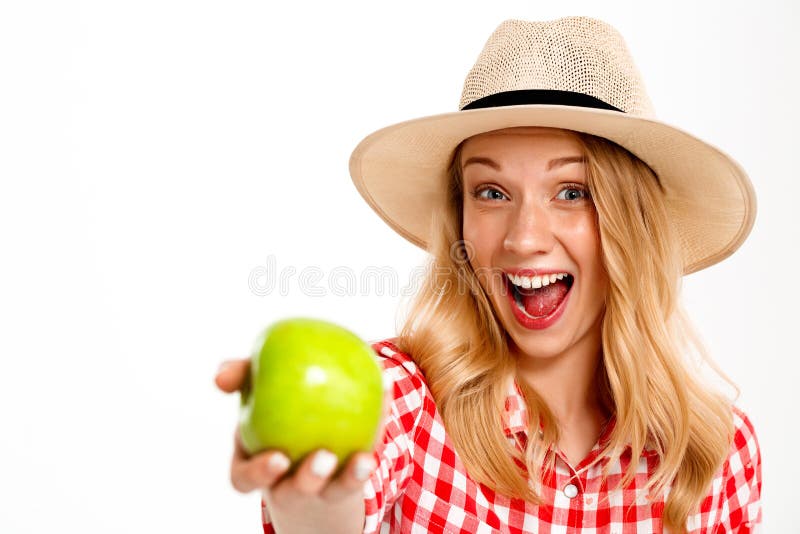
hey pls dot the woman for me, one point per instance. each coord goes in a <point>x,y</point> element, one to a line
<point>544,379</point>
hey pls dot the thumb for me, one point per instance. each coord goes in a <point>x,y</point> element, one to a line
<point>232,375</point>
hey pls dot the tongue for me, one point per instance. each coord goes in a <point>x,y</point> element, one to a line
<point>542,302</point>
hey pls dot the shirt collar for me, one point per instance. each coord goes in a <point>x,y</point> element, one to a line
<point>515,421</point>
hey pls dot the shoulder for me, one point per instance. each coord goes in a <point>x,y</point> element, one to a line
<point>394,360</point>
<point>744,433</point>
<point>398,367</point>
<point>740,488</point>
<point>745,452</point>
<point>410,399</point>
<point>734,502</point>
<point>744,459</point>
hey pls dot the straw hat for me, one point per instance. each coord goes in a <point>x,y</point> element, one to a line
<point>574,73</point>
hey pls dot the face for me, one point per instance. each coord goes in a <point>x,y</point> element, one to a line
<point>531,227</point>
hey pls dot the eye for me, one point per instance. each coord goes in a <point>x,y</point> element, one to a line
<point>573,192</point>
<point>488,193</point>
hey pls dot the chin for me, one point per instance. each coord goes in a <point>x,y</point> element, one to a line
<point>541,350</point>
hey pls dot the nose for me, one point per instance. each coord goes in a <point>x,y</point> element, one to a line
<point>529,232</point>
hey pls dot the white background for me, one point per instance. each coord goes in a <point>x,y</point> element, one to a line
<point>154,153</point>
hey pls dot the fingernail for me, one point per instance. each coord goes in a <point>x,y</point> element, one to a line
<point>223,366</point>
<point>278,463</point>
<point>323,464</point>
<point>364,468</point>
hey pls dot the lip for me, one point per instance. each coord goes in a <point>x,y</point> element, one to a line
<point>535,272</point>
<point>540,323</point>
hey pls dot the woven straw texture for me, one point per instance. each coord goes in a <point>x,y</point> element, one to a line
<point>576,54</point>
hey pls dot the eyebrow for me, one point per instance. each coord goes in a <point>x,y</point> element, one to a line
<point>553,163</point>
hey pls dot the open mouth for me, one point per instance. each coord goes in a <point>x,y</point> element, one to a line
<point>539,296</point>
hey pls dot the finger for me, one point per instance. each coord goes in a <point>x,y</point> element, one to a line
<point>259,471</point>
<point>351,481</point>
<point>231,374</point>
<point>314,472</point>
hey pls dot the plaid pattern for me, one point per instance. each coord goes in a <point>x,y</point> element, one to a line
<point>421,485</point>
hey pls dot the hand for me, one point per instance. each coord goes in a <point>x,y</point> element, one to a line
<point>314,494</point>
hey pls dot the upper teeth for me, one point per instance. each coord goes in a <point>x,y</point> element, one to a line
<point>535,282</point>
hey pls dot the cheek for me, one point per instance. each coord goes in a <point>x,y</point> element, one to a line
<point>581,236</point>
<point>481,236</point>
<point>588,251</point>
<point>471,224</point>
<point>477,233</point>
<point>583,231</point>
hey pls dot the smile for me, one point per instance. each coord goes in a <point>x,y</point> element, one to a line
<point>538,301</point>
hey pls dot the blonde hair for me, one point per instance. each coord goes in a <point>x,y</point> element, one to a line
<point>646,375</point>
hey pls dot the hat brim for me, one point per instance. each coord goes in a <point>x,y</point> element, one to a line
<point>399,170</point>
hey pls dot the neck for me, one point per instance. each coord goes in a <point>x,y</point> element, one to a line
<point>568,383</point>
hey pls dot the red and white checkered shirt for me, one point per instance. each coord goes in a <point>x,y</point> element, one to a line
<point>421,485</point>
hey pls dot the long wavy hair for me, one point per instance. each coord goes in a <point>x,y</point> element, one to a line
<point>652,359</point>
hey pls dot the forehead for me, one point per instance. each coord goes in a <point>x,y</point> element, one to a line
<point>545,140</point>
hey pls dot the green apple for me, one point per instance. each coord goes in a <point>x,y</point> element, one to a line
<point>312,385</point>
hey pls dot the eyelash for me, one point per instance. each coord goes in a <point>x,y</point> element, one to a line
<point>477,192</point>
<point>577,187</point>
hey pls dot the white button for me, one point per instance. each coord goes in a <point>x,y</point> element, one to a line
<point>571,491</point>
